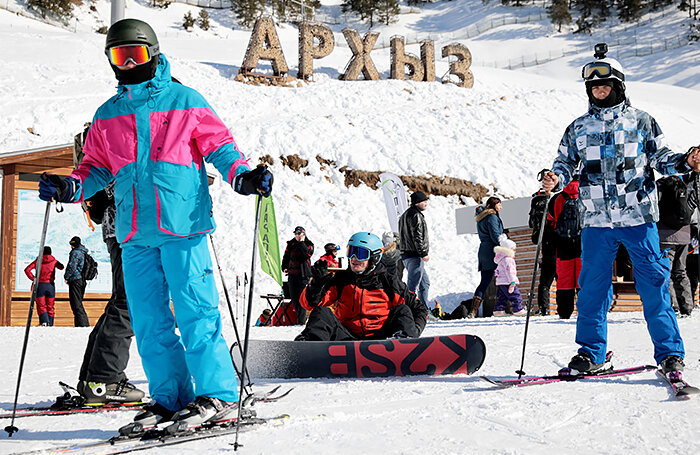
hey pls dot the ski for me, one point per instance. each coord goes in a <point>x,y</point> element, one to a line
<point>681,389</point>
<point>565,375</point>
<point>267,397</point>
<point>159,438</point>
<point>71,402</point>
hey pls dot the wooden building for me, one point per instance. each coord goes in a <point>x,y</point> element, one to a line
<point>21,171</point>
<point>515,217</point>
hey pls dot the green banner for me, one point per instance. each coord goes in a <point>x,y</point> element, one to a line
<point>268,242</point>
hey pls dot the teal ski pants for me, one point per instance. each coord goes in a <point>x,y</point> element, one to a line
<point>196,362</point>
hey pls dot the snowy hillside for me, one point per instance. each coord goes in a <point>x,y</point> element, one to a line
<point>498,134</point>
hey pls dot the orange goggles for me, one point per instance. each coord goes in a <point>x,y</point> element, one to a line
<point>136,53</point>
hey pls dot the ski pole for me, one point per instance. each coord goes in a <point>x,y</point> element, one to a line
<point>697,203</point>
<point>230,310</point>
<point>245,284</point>
<point>11,428</point>
<point>238,283</point>
<point>548,195</point>
<point>250,308</point>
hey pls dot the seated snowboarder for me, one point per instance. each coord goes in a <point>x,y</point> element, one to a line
<point>362,301</point>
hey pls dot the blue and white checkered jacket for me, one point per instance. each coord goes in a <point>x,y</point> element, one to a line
<point>616,149</point>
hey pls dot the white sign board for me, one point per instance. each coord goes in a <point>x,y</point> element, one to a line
<point>514,214</point>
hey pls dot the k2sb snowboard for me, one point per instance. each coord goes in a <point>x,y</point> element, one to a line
<point>440,355</point>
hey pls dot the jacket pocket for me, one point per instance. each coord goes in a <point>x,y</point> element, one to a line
<point>125,201</point>
<point>183,205</point>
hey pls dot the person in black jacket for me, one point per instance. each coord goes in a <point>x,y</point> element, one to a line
<point>296,263</point>
<point>415,246</point>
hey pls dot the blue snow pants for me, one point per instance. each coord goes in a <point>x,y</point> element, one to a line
<point>180,270</point>
<point>651,277</point>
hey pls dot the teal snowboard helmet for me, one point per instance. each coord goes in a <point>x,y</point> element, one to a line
<point>366,246</point>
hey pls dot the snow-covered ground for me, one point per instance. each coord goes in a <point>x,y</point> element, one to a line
<point>498,134</point>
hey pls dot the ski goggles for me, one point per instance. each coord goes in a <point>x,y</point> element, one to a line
<point>136,53</point>
<point>600,69</point>
<point>358,252</point>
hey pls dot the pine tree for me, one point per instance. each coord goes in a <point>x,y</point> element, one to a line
<point>604,11</point>
<point>161,3</point>
<point>629,10</point>
<point>247,11</point>
<point>558,11</point>
<point>61,8</point>
<point>387,11</point>
<point>366,9</point>
<point>188,21</point>
<point>203,20</point>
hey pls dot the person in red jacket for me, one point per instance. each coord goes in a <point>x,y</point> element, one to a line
<point>331,256</point>
<point>362,301</point>
<point>567,243</point>
<point>46,290</point>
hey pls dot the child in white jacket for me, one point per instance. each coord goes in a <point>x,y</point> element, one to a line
<point>507,280</point>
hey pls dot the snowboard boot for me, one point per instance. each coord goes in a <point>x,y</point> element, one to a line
<point>671,364</point>
<point>476,303</point>
<point>583,363</point>
<point>150,415</point>
<point>203,411</point>
<point>44,319</point>
<point>99,393</point>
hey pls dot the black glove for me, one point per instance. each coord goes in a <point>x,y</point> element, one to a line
<point>59,189</point>
<point>320,281</point>
<point>319,271</point>
<point>257,181</point>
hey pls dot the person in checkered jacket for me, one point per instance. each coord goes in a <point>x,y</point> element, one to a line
<point>615,147</point>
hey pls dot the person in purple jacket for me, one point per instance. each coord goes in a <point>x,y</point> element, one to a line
<point>152,138</point>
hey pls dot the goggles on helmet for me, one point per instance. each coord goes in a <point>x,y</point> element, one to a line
<point>136,53</point>
<point>360,253</point>
<point>601,69</point>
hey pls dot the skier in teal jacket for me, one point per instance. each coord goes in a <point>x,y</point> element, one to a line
<point>152,138</point>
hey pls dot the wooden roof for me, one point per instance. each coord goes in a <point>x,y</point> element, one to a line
<point>57,159</point>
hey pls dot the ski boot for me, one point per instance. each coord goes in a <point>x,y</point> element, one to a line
<point>204,411</point>
<point>100,393</point>
<point>150,415</point>
<point>671,364</point>
<point>582,363</point>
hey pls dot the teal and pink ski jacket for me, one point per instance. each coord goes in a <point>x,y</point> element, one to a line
<point>152,139</point>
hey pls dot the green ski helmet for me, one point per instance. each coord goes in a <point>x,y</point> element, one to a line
<point>132,31</point>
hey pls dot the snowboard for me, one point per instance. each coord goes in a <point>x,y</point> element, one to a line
<point>440,355</point>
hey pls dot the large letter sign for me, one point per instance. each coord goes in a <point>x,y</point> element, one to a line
<point>460,68</point>
<point>264,44</point>
<point>360,62</point>
<point>308,52</point>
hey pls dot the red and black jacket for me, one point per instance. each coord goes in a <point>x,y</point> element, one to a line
<point>362,302</point>
<point>297,257</point>
<point>331,260</point>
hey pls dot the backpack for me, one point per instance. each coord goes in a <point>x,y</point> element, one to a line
<point>537,208</point>
<point>673,202</point>
<point>569,220</point>
<point>89,267</point>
